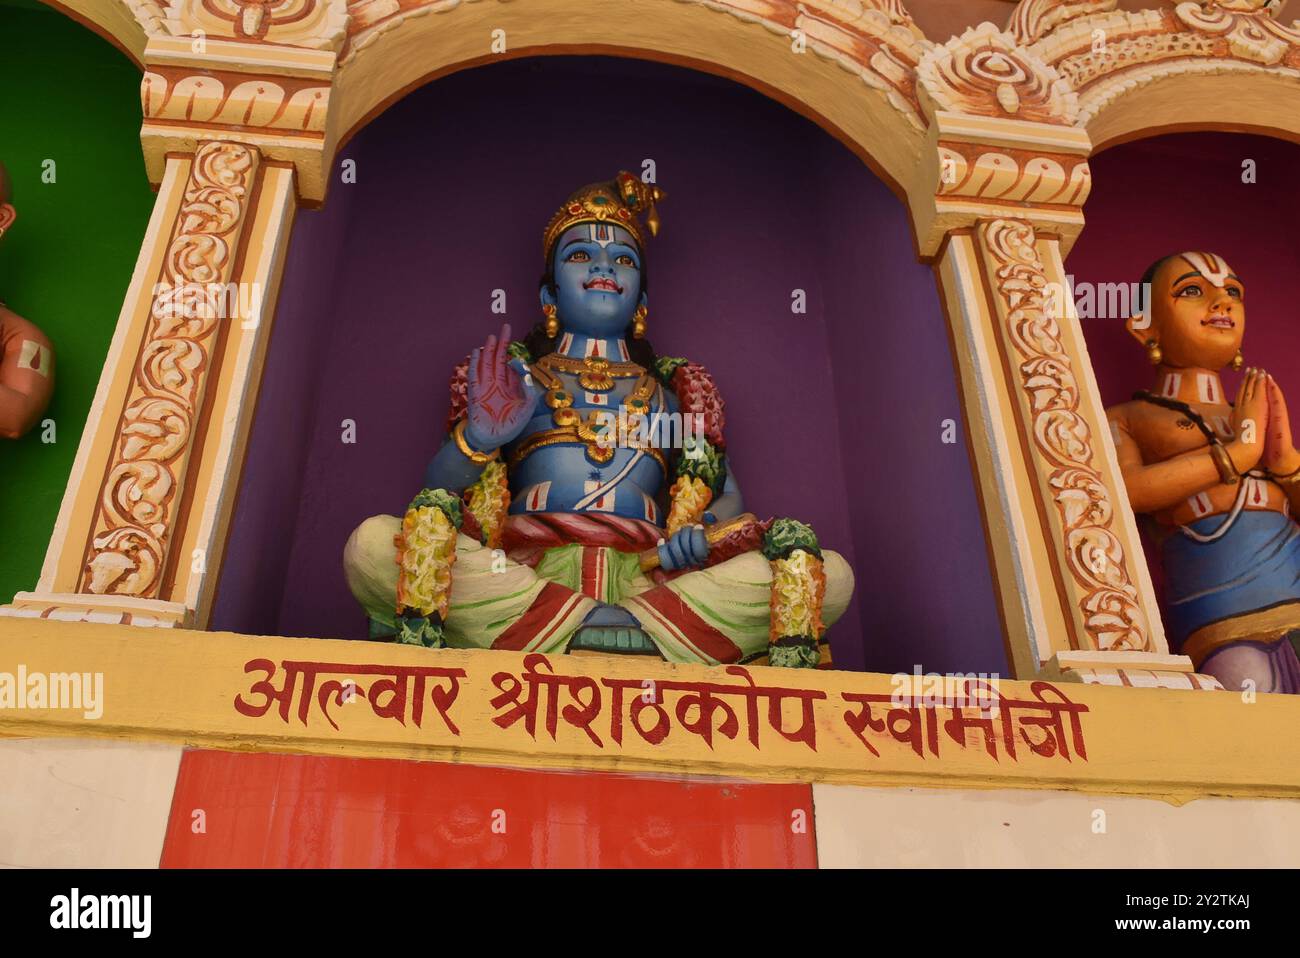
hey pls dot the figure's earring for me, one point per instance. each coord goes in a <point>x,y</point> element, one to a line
<point>552,320</point>
<point>638,322</point>
<point>1238,361</point>
<point>1154,352</point>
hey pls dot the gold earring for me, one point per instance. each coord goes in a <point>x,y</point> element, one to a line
<point>1154,353</point>
<point>638,322</point>
<point>1238,361</point>
<point>552,320</point>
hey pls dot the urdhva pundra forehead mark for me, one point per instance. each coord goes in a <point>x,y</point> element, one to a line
<point>1211,267</point>
<point>603,234</point>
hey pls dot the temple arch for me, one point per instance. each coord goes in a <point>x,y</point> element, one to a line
<point>853,77</point>
<point>1191,99</point>
<point>1165,69</point>
<point>850,68</point>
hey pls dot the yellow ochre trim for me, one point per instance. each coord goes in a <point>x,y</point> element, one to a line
<point>183,686</point>
<point>1266,625</point>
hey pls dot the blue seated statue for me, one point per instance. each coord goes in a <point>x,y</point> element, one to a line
<point>582,500</point>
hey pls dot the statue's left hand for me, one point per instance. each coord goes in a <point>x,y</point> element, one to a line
<point>501,395</point>
<point>686,548</point>
<point>1280,455</point>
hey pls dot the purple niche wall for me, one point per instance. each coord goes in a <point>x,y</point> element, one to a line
<point>835,414</point>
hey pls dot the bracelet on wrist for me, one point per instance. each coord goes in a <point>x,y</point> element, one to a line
<point>1228,474</point>
<point>469,452</point>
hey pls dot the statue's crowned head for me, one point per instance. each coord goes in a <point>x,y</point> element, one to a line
<point>1196,315</point>
<point>594,248</point>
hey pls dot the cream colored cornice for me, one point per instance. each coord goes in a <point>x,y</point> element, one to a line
<point>297,78</point>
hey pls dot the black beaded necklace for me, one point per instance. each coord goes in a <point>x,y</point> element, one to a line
<point>1177,405</point>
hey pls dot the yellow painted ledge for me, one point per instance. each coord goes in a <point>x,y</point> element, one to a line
<point>199,688</point>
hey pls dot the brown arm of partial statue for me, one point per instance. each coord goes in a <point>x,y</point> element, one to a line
<point>1161,485</point>
<point>26,374</point>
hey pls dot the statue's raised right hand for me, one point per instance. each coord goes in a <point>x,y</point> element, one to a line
<point>501,395</point>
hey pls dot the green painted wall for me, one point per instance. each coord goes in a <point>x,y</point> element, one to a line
<point>71,97</point>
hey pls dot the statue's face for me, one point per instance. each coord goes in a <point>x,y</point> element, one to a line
<point>597,279</point>
<point>1198,311</point>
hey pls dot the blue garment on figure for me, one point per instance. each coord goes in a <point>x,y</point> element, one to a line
<point>1254,566</point>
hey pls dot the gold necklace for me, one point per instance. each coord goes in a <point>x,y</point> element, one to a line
<point>570,424</point>
<point>595,373</point>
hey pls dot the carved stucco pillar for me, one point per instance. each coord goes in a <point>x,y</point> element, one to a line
<point>235,101</point>
<point>142,525</point>
<point>996,203</point>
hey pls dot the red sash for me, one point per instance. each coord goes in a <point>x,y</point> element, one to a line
<point>526,537</point>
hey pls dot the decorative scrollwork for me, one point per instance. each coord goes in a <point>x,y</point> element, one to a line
<point>182,96</point>
<point>1034,19</point>
<point>316,24</point>
<point>983,72</point>
<point>1247,25</point>
<point>1107,53</point>
<point>1014,176</point>
<point>136,506</point>
<point>1094,555</point>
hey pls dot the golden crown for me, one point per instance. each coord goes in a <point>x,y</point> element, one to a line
<point>619,201</point>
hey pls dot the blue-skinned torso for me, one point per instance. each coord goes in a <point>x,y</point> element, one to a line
<point>569,477</point>
<point>597,288</point>
<point>597,273</point>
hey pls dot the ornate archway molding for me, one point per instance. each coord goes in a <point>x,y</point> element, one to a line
<point>986,136</point>
<point>1140,73</point>
<point>297,77</point>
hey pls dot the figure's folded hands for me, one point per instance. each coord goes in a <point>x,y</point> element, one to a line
<point>1280,455</point>
<point>1249,421</point>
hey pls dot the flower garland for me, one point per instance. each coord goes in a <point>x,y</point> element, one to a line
<point>426,551</point>
<point>798,588</point>
<point>697,393</point>
<point>488,500</point>
<point>459,388</point>
<point>690,497</point>
<point>701,472</point>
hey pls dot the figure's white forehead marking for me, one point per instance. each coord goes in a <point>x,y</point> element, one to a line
<point>1210,266</point>
<point>602,234</point>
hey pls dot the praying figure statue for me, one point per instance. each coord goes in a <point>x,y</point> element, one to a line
<point>582,501</point>
<point>26,355</point>
<point>1219,479</point>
